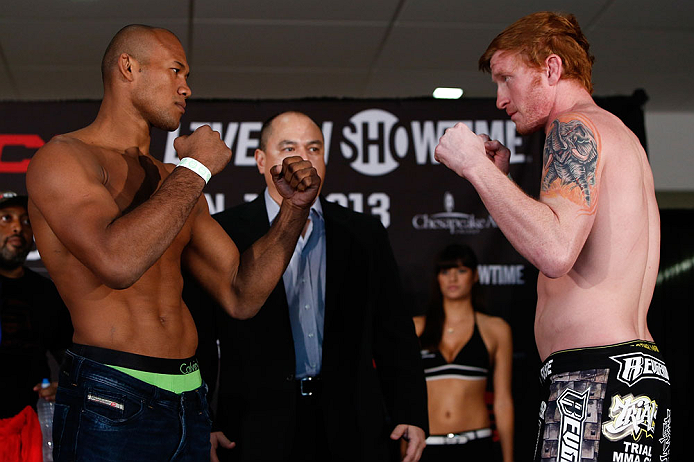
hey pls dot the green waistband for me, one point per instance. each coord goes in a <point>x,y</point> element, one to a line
<point>175,383</point>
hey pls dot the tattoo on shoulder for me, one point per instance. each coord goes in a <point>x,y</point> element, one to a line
<point>570,161</point>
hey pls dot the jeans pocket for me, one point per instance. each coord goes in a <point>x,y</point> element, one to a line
<point>110,407</point>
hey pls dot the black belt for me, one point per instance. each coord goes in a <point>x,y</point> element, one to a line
<point>309,386</point>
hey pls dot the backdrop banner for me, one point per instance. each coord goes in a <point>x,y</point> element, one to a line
<point>380,160</point>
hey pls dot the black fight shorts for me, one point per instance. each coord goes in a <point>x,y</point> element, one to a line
<point>608,403</point>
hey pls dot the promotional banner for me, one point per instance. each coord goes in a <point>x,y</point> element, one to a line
<point>380,161</point>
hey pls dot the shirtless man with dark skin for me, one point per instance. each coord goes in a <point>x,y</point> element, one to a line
<point>114,225</point>
<point>594,232</point>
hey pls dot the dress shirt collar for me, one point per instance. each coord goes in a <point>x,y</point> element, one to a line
<point>273,208</point>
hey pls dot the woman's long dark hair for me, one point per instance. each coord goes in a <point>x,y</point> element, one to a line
<point>452,256</point>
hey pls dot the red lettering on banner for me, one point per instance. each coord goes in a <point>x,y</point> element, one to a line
<point>28,141</point>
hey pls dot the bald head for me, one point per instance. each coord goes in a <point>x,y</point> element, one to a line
<point>266,129</point>
<point>136,40</point>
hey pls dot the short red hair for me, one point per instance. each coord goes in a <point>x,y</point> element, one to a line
<point>541,34</point>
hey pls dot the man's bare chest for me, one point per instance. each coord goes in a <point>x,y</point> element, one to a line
<point>132,180</point>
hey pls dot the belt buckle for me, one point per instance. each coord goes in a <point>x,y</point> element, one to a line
<point>308,391</point>
<point>459,438</point>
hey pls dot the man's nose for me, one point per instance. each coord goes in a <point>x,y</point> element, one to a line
<point>185,90</point>
<point>303,153</point>
<point>501,99</point>
<point>16,226</point>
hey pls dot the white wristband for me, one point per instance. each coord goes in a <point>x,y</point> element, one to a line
<point>197,167</point>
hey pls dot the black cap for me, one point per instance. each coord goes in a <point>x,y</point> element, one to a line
<point>9,198</point>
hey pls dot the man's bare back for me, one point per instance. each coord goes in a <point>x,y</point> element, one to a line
<point>605,296</point>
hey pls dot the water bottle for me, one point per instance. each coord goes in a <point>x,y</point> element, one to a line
<point>45,411</point>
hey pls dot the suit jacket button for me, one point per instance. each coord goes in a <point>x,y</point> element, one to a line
<point>290,377</point>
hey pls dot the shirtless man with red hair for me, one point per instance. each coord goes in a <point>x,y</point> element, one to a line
<point>594,234</point>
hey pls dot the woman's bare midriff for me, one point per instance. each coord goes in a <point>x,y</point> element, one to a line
<point>456,405</point>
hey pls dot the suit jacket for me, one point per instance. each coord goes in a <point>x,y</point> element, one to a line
<point>372,377</point>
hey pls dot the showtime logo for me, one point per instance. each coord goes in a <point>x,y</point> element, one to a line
<point>375,140</point>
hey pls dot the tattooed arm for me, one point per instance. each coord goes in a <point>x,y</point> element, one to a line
<point>549,232</point>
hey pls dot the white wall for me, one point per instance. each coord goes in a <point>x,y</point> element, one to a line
<point>670,138</point>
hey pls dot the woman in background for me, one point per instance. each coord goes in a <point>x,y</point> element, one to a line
<point>461,349</point>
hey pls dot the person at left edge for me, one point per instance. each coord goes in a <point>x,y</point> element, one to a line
<point>33,317</point>
<point>329,369</point>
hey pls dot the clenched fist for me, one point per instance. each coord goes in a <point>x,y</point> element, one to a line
<point>499,154</point>
<point>460,149</point>
<point>297,181</point>
<point>206,146</point>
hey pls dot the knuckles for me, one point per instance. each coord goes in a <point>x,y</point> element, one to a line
<point>292,165</point>
<point>204,129</point>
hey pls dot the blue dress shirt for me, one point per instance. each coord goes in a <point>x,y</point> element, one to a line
<point>304,283</point>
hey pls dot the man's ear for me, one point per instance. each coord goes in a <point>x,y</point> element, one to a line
<point>554,68</point>
<point>260,160</point>
<point>126,66</point>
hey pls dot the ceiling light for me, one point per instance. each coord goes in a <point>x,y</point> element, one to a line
<point>448,93</point>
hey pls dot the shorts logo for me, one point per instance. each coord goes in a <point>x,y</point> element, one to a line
<point>546,370</point>
<point>665,440</point>
<point>635,415</point>
<point>573,409</point>
<point>637,366</point>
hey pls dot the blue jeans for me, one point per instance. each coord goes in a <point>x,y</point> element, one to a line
<point>102,414</point>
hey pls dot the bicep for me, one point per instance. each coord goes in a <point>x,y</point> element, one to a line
<point>211,256</point>
<point>571,169</point>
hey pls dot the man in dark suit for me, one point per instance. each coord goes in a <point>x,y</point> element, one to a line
<point>329,369</point>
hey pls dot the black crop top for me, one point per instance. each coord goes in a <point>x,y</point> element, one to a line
<point>471,362</point>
